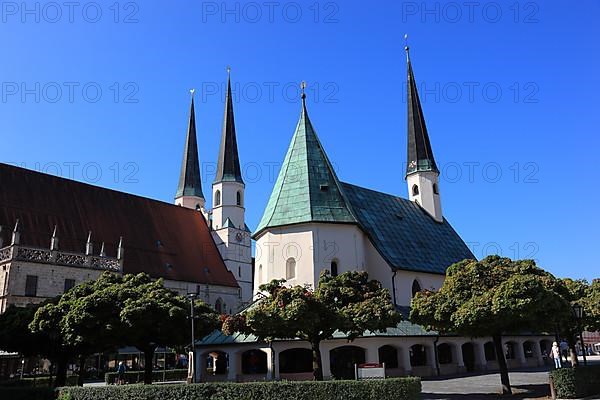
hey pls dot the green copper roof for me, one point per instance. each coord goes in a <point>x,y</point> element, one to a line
<point>403,233</point>
<point>307,189</point>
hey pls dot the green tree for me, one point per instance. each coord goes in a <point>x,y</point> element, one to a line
<point>152,316</point>
<point>349,303</point>
<point>492,297</point>
<point>591,304</point>
<point>575,291</point>
<point>15,334</point>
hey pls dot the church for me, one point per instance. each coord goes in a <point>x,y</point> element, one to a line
<point>313,221</point>
<point>56,233</point>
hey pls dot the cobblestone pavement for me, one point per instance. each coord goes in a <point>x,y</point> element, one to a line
<point>527,384</point>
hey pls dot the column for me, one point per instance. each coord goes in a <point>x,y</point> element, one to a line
<point>480,361</point>
<point>234,364</point>
<point>405,359</point>
<point>520,353</point>
<point>325,361</point>
<point>270,363</point>
<point>198,366</point>
<point>372,353</point>
<point>460,362</point>
<point>538,352</point>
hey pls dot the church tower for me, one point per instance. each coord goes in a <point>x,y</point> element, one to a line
<point>228,213</point>
<point>189,191</point>
<point>422,174</point>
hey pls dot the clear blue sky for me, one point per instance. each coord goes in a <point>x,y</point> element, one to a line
<point>508,88</point>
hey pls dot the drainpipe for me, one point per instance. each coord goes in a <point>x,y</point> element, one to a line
<point>394,287</point>
<point>435,352</point>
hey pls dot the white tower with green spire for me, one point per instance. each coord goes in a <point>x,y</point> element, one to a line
<point>228,212</point>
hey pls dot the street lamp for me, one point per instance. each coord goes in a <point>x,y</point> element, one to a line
<point>192,297</point>
<point>578,313</point>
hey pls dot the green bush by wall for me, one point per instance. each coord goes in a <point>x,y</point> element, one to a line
<point>388,389</point>
<point>572,383</point>
<point>40,381</point>
<point>157,376</point>
<point>26,393</point>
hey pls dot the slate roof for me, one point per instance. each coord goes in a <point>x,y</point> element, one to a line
<point>189,179</point>
<point>403,233</point>
<point>403,329</point>
<point>161,239</point>
<point>228,165</point>
<point>419,152</point>
<point>307,188</point>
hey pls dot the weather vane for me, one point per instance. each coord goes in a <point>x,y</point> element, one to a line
<point>302,87</point>
<point>192,92</point>
<point>228,70</point>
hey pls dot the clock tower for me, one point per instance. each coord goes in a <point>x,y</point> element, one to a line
<point>228,212</point>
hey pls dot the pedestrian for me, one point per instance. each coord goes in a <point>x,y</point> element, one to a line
<point>555,353</point>
<point>121,373</point>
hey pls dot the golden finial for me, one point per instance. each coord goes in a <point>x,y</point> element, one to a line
<point>228,70</point>
<point>406,48</point>
<point>302,87</point>
<point>192,91</point>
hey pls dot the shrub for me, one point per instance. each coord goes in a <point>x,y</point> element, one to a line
<point>572,383</point>
<point>26,393</point>
<point>38,381</point>
<point>157,376</point>
<point>389,389</point>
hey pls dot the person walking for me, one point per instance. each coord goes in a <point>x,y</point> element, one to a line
<point>555,353</point>
<point>121,373</point>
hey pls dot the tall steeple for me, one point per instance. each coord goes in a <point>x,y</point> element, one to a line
<point>228,223</point>
<point>420,155</point>
<point>189,191</point>
<point>422,174</point>
<point>228,166</point>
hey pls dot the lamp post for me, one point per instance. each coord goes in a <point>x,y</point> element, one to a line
<point>578,313</point>
<point>192,297</point>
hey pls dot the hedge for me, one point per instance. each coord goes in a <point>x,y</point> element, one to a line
<point>27,393</point>
<point>39,381</point>
<point>157,376</point>
<point>572,383</point>
<point>389,389</point>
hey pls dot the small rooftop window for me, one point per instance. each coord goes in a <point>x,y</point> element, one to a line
<point>324,187</point>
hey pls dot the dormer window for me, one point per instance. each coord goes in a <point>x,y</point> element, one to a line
<point>324,187</point>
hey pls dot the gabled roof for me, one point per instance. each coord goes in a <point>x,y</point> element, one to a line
<point>307,188</point>
<point>403,233</point>
<point>228,165</point>
<point>419,153</point>
<point>161,239</point>
<point>189,179</point>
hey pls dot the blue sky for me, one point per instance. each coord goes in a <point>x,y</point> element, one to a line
<point>99,91</point>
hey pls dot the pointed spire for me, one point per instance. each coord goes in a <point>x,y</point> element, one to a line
<point>16,236</point>
<point>307,183</point>
<point>89,246</point>
<point>54,239</point>
<point>228,167</point>
<point>102,251</point>
<point>120,249</point>
<point>419,154</point>
<point>189,178</point>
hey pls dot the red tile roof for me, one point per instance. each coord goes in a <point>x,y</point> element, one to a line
<point>160,239</point>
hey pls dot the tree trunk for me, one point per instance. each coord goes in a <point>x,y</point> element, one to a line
<point>148,364</point>
<point>61,371</point>
<point>317,362</point>
<point>81,370</point>
<point>502,364</point>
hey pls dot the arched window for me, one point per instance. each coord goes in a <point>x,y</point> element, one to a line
<point>416,287</point>
<point>218,198</point>
<point>219,306</point>
<point>415,190</point>
<point>290,268</point>
<point>260,274</point>
<point>388,355</point>
<point>334,268</point>
<point>435,189</point>
<point>445,353</point>
<point>490,351</point>
<point>238,198</point>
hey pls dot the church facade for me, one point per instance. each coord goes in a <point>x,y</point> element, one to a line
<point>314,222</point>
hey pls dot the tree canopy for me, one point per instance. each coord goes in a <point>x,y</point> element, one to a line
<point>349,303</point>
<point>491,297</point>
